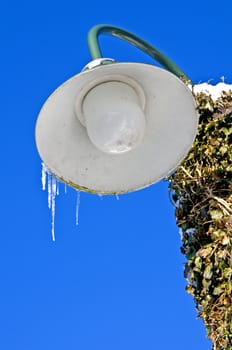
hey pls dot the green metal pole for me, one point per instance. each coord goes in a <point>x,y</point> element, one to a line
<point>95,51</point>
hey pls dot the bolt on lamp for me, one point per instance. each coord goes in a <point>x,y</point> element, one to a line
<point>117,127</point>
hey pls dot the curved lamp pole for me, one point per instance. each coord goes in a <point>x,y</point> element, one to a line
<point>95,51</point>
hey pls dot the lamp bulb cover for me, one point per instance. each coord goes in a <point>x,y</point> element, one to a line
<point>114,119</point>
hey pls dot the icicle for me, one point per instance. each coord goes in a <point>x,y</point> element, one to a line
<point>49,190</point>
<point>78,201</point>
<point>43,176</point>
<point>117,197</point>
<point>57,188</point>
<point>100,196</point>
<point>65,188</point>
<point>53,204</point>
<point>53,190</point>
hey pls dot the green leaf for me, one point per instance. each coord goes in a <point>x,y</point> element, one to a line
<point>227,273</point>
<point>226,131</point>
<point>223,150</point>
<point>198,262</point>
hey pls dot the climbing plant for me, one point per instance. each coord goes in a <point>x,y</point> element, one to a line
<point>201,190</point>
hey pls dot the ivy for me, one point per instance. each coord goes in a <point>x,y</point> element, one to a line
<point>201,190</point>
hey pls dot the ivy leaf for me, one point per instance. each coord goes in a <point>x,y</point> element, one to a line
<point>190,290</point>
<point>208,273</point>
<point>204,252</point>
<point>223,150</point>
<point>226,131</point>
<point>225,240</point>
<point>227,273</point>
<point>206,283</point>
<point>216,214</point>
<point>218,290</point>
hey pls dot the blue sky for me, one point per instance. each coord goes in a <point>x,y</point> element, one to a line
<point>116,280</point>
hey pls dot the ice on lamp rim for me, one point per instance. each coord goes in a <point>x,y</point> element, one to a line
<point>50,182</point>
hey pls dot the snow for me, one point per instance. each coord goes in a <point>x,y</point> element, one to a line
<point>181,233</point>
<point>190,232</point>
<point>214,90</point>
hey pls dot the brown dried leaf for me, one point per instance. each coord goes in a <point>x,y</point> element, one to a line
<point>204,252</point>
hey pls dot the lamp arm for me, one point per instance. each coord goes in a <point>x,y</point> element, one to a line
<point>95,51</point>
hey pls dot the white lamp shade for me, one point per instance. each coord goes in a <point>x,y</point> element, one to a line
<point>170,128</point>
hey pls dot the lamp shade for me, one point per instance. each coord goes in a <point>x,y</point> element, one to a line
<point>169,127</point>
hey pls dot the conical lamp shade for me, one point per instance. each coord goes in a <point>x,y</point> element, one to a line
<point>171,126</point>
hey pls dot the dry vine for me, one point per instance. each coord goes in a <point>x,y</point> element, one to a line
<point>202,191</point>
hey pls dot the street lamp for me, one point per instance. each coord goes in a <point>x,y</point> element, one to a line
<point>117,127</point>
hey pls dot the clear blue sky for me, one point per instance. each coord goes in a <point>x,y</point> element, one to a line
<point>116,280</point>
